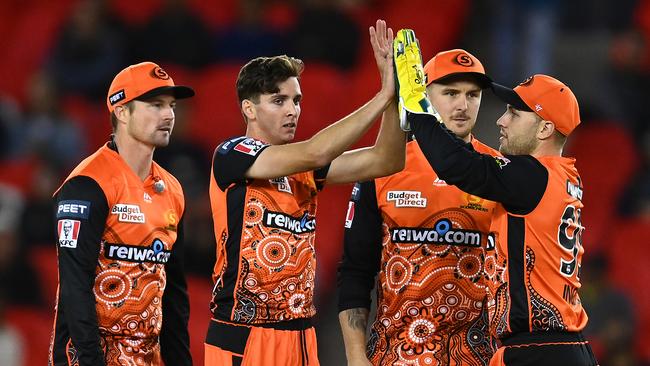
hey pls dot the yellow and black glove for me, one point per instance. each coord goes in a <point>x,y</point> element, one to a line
<point>409,74</point>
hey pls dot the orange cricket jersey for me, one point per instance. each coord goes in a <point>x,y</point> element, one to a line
<point>543,249</point>
<point>130,277</point>
<point>436,269</point>
<point>265,234</point>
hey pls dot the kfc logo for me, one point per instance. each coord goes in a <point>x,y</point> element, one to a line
<point>68,233</point>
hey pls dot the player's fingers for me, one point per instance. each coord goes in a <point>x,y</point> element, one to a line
<point>373,38</point>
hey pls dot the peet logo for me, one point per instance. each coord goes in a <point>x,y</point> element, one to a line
<point>406,198</point>
<point>128,213</point>
<point>73,209</point>
<point>297,225</point>
<point>116,97</point>
<point>156,253</point>
<point>442,233</point>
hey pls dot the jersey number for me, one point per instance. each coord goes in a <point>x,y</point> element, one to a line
<point>570,238</point>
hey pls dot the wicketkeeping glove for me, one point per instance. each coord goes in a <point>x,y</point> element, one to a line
<point>409,74</point>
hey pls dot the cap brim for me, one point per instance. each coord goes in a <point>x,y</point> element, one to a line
<point>178,91</point>
<point>509,96</point>
<point>483,80</point>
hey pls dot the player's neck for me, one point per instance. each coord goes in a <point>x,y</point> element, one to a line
<point>137,155</point>
<point>547,148</point>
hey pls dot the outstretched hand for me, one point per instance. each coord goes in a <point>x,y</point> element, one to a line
<point>381,39</point>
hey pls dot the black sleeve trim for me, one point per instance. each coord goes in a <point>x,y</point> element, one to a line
<point>320,175</point>
<point>517,181</point>
<point>174,335</point>
<point>78,260</point>
<point>233,158</point>
<point>361,248</point>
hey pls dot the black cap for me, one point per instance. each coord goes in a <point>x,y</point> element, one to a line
<point>178,91</point>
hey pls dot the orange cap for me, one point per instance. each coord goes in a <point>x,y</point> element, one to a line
<point>452,62</point>
<point>142,81</point>
<point>548,97</point>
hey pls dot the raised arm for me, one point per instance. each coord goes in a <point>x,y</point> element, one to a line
<point>332,141</point>
<point>389,152</point>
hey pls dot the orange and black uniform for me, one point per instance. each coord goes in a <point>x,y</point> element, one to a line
<point>122,294</point>
<point>264,274</point>
<point>538,237</point>
<point>429,243</point>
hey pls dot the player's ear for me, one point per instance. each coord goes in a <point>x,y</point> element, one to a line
<point>248,109</point>
<point>545,130</point>
<point>121,112</point>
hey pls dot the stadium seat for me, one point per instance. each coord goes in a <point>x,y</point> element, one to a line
<point>215,16</point>
<point>200,293</point>
<point>438,25</point>
<point>332,208</point>
<point>325,99</point>
<point>606,159</point>
<point>628,252</point>
<point>216,114</point>
<point>35,327</point>
<point>19,173</point>
<point>134,13</point>
<point>92,119</point>
<point>32,35</point>
<point>43,259</point>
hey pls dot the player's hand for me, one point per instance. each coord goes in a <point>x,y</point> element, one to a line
<point>381,39</point>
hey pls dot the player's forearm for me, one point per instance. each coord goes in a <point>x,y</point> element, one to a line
<point>354,323</point>
<point>389,151</point>
<point>333,140</point>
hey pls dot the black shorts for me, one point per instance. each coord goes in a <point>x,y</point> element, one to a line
<point>545,348</point>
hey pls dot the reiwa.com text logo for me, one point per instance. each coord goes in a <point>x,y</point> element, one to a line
<point>297,225</point>
<point>441,233</point>
<point>155,253</point>
<point>128,213</point>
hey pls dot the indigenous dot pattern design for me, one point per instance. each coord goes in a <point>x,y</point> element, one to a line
<point>277,265</point>
<point>434,299</point>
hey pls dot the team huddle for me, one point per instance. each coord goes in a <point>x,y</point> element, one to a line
<point>474,253</point>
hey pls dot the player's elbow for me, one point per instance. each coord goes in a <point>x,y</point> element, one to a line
<point>319,156</point>
<point>389,164</point>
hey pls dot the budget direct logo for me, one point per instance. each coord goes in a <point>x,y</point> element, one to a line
<point>128,213</point>
<point>441,233</point>
<point>406,198</point>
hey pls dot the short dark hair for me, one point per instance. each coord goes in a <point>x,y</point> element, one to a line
<point>262,75</point>
<point>130,105</point>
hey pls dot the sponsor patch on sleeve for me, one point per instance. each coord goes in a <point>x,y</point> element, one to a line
<point>356,192</point>
<point>250,146</point>
<point>73,209</point>
<point>68,232</point>
<point>349,217</point>
<point>226,146</point>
